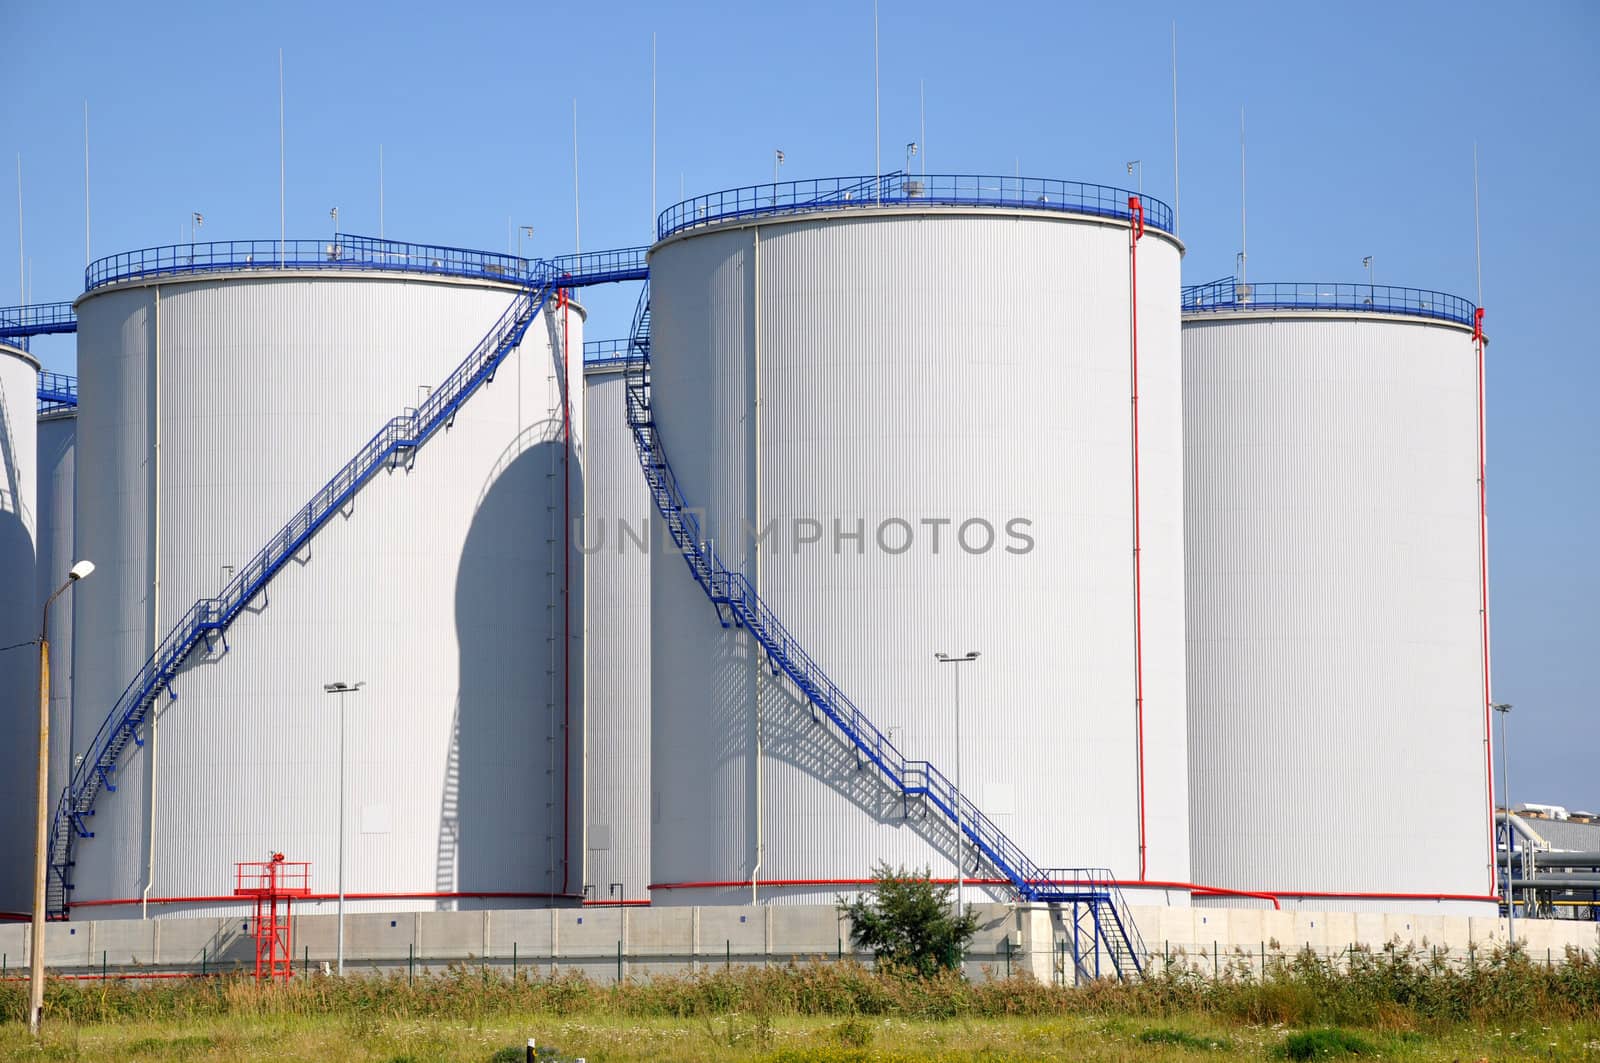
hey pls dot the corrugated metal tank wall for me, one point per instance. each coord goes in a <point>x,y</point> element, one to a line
<point>918,366</point>
<point>1336,690</point>
<point>19,622</point>
<point>58,440</point>
<point>616,644</point>
<point>212,409</point>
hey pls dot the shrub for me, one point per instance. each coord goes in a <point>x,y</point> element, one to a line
<point>907,923</point>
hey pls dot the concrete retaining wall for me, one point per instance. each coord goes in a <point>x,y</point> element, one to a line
<point>641,941</point>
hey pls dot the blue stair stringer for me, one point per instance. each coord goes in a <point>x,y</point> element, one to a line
<point>1101,923</point>
<point>209,618</point>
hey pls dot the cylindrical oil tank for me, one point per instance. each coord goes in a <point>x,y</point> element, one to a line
<point>1336,588</point>
<point>216,400</point>
<point>908,420</point>
<point>615,541</point>
<point>58,442</point>
<point>19,623</point>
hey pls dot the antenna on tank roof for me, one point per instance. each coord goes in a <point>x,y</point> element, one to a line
<point>86,181</point>
<point>577,238</point>
<point>877,113</point>
<point>1244,232</point>
<point>22,257</point>
<point>922,132</point>
<point>652,137</point>
<point>1177,200</point>
<point>1477,223</point>
<point>283,224</point>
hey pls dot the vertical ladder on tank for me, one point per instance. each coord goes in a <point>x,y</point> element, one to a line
<point>1092,893</point>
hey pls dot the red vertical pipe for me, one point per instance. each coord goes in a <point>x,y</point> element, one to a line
<point>1483,599</point>
<point>1135,231</point>
<point>566,602</point>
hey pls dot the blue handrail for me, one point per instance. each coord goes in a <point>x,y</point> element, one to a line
<point>732,591</point>
<point>601,267</point>
<point>17,323</point>
<point>599,354</point>
<point>1227,294</point>
<point>902,189</point>
<point>57,391</point>
<point>347,251</point>
<point>212,616</point>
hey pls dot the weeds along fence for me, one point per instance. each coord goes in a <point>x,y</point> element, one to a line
<point>1391,988</point>
<point>413,963</point>
<point>999,960</point>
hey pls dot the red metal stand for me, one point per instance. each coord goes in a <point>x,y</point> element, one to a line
<point>273,883</point>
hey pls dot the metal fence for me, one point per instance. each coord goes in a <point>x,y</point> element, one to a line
<point>335,253</point>
<point>902,189</point>
<point>1228,294</point>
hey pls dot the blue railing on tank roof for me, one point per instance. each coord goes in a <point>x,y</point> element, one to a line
<point>345,251</point>
<point>902,189</point>
<point>1228,294</point>
<point>57,391</point>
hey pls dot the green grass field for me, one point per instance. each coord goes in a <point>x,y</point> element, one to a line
<point>1392,1005</point>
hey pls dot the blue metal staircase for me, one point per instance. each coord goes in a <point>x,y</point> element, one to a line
<point>1101,922</point>
<point>208,619</point>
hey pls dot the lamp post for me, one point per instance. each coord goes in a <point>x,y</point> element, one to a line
<point>40,834</point>
<point>961,871</point>
<point>334,214</point>
<point>196,221</point>
<point>621,894</point>
<point>911,153</point>
<point>1366,263</point>
<point>525,230</point>
<point>1138,164</point>
<point>1504,709</point>
<point>341,689</point>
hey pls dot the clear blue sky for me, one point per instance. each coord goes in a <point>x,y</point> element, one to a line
<point>1361,124</point>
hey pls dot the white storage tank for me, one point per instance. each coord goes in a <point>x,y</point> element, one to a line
<point>19,623</point>
<point>57,441</point>
<point>219,393</point>
<point>615,541</point>
<point>1337,683</point>
<point>907,415</point>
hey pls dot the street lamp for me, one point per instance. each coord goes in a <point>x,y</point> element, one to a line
<point>1504,709</point>
<point>911,153</point>
<point>1366,263</point>
<point>334,214</point>
<point>341,689</point>
<point>40,835</point>
<point>961,871</point>
<point>1138,164</point>
<point>525,230</point>
<point>196,221</point>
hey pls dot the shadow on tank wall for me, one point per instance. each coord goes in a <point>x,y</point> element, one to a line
<point>503,818</point>
<point>19,671</point>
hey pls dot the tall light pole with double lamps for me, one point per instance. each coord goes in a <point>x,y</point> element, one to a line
<point>341,689</point>
<point>41,836</point>
<point>1504,709</point>
<point>961,871</point>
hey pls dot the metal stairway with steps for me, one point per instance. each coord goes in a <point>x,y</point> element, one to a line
<point>1102,926</point>
<point>208,619</point>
